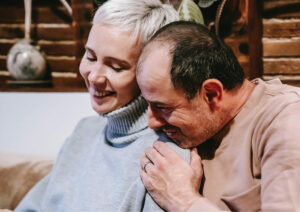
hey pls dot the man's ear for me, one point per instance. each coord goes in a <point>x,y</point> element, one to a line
<point>212,92</point>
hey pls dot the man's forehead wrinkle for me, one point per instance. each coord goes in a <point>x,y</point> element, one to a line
<point>152,93</point>
<point>154,77</point>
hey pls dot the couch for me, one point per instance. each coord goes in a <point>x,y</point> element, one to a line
<point>18,174</point>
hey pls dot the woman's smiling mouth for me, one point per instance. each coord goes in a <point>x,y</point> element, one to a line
<point>100,94</point>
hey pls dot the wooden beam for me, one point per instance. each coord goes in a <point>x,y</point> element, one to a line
<point>38,3</point>
<point>285,47</point>
<point>281,65</point>
<point>255,35</point>
<point>81,29</point>
<point>278,28</point>
<point>271,4</point>
<point>281,8</point>
<point>59,84</point>
<point>38,31</point>
<point>53,48</point>
<point>39,15</point>
<point>56,64</point>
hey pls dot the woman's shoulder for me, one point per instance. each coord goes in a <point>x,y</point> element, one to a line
<point>85,132</point>
<point>157,135</point>
<point>91,123</point>
<point>87,127</point>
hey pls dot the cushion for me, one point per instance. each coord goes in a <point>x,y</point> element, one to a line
<point>18,175</point>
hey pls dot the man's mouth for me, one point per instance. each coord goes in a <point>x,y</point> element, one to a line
<point>170,132</point>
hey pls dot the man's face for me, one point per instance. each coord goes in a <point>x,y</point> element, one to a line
<point>187,122</point>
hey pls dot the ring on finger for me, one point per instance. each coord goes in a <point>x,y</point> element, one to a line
<point>144,167</point>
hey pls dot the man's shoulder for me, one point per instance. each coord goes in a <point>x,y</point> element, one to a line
<point>277,89</point>
<point>272,94</point>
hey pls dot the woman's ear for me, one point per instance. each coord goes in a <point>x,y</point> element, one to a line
<point>212,92</point>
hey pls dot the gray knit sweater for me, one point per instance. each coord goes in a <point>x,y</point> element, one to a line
<point>98,167</point>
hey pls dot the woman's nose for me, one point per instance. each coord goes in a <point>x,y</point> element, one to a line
<point>97,76</point>
<point>154,121</point>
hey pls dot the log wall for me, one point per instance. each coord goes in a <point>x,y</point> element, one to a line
<point>281,40</point>
<point>241,29</point>
<point>59,35</point>
<point>268,51</point>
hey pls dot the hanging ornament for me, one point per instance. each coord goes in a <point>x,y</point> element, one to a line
<point>25,61</point>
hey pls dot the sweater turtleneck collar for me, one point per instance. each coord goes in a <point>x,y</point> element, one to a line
<point>127,123</point>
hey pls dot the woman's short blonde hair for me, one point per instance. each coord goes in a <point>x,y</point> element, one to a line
<point>142,17</point>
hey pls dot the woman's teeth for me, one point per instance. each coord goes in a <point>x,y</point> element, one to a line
<point>100,93</point>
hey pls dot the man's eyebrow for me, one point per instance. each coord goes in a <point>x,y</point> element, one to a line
<point>156,103</point>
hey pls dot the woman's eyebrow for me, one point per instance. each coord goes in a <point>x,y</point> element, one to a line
<point>89,49</point>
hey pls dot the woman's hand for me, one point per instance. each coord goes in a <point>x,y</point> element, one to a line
<point>172,182</point>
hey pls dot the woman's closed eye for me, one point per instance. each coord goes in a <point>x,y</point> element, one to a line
<point>117,68</point>
<point>91,59</point>
<point>90,55</point>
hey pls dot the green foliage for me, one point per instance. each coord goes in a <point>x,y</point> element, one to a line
<point>189,11</point>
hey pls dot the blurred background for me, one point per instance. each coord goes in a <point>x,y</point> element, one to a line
<point>36,115</point>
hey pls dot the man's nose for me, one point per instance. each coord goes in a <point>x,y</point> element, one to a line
<point>154,121</point>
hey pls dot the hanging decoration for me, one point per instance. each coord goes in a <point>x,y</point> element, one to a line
<point>25,61</point>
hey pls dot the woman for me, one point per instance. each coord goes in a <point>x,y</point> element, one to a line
<point>98,167</point>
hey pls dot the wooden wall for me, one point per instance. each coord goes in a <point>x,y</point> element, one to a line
<point>281,40</point>
<point>264,35</point>
<point>59,35</point>
<point>62,37</point>
<point>241,29</point>
<point>235,21</point>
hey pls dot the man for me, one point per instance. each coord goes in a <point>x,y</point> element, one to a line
<point>247,133</point>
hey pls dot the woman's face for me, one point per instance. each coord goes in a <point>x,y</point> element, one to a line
<point>108,67</point>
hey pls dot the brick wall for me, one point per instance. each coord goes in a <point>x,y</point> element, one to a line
<point>281,40</point>
<point>59,35</point>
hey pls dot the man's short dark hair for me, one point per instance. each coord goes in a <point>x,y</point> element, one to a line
<point>198,55</point>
